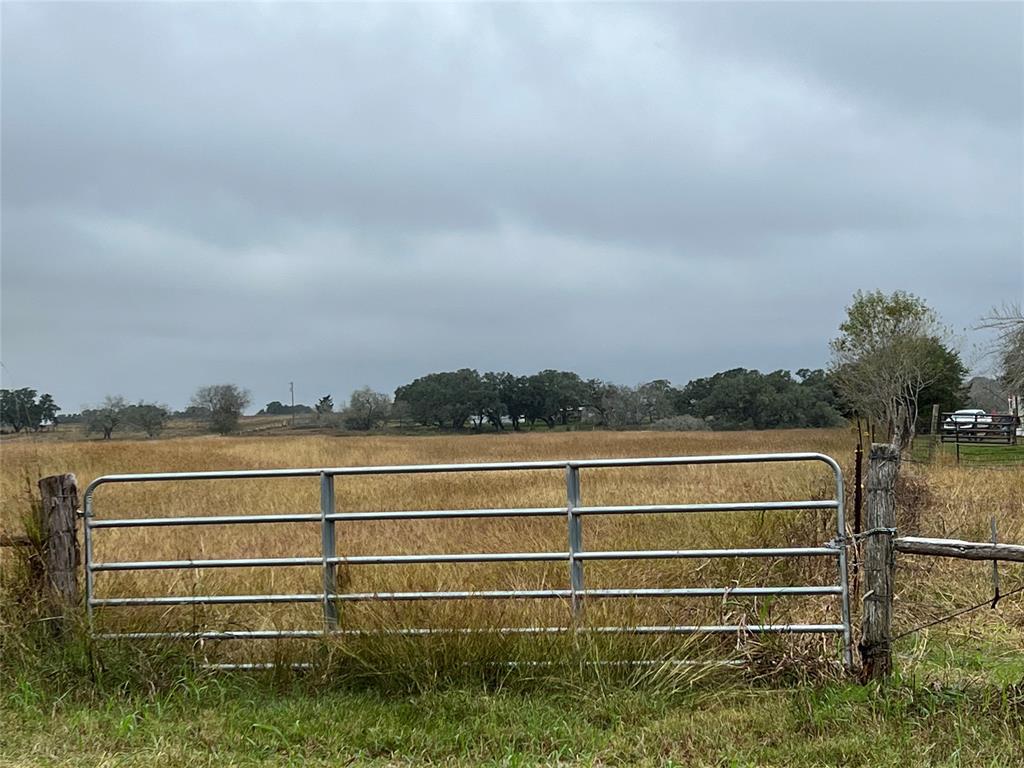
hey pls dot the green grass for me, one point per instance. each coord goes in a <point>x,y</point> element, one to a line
<point>955,704</point>
<point>971,454</point>
<point>231,720</point>
<point>988,454</point>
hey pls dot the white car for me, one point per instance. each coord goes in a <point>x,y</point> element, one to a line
<point>967,419</point>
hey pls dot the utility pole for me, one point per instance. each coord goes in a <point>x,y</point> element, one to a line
<point>291,388</point>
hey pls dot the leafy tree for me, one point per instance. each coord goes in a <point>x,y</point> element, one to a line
<point>107,417</point>
<point>277,408</point>
<point>657,400</point>
<point>149,417</point>
<point>14,407</point>
<point>20,410</point>
<point>401,413</point>
<point>221,405</point>
<point>197,412</point>
<point>514,395</point>
<point>748,399</point>
<point>497,399</point>
<point>424,400</point>
<point>819,401</point>
<point>367,409</point>
<point>534,400</point>
<point>596,397</point>
<point>447,399</point>
<point>48,409</point>
<point>890,349</point>
<point>728,400</point>
<point>947,388</point>
<point>737,399</point>
<point>555,396</point>
<point>486,402</point>
<point>325,405</point>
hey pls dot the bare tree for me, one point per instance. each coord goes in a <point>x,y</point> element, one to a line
<point>1008,321</point>
<point>222,405</point>
<point>622,406</point>
<point>367,409</point>
<point>106,417</point>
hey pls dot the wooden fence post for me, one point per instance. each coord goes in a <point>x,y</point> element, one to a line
<point>58,536</point>
<point>878,563</point>
<point>934,437</point>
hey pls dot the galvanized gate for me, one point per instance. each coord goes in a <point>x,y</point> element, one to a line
<point>575,556</point>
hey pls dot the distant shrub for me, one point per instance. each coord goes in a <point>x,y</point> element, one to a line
<point>684,423</point>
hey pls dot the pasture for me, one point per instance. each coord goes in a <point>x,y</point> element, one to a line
<point>957,700</point>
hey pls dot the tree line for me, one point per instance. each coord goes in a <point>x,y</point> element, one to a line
<point>735,399</point>
<point>220,406</point>
<point>892,357</point>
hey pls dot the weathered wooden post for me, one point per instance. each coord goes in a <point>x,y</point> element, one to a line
<point>879,562</point>
<point>934,437</point>
<point>58,537</point>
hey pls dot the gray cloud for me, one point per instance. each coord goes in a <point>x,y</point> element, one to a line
<point>348,194</point>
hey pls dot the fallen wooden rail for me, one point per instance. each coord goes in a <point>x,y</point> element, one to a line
<point>964,550</point>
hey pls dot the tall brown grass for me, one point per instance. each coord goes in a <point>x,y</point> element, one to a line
<point>936,501</point>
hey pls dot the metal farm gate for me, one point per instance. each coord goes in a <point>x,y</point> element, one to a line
<point>575,556</point>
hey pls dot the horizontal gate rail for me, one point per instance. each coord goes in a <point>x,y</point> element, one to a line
<point>149,522</point>
<point>661,554</point>
<point>494,594</point>
<point>575,556</point>
<point>745,506</point>
<point>497,466</point>
<point>762,506</point>
<point>241,562</point>
<point>668,629</point>
<point>480,557</point>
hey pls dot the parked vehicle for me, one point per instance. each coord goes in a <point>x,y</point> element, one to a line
<point>967,420</point>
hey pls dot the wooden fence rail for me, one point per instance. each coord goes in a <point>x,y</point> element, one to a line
<point>964,550</point>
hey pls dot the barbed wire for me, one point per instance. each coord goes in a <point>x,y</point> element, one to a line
<point>955,614</point>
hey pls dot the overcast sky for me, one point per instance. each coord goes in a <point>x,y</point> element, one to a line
<point>343,195</point>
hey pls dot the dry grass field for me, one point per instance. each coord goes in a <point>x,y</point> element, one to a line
<point>977,655</point>
<point>942,501</point>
